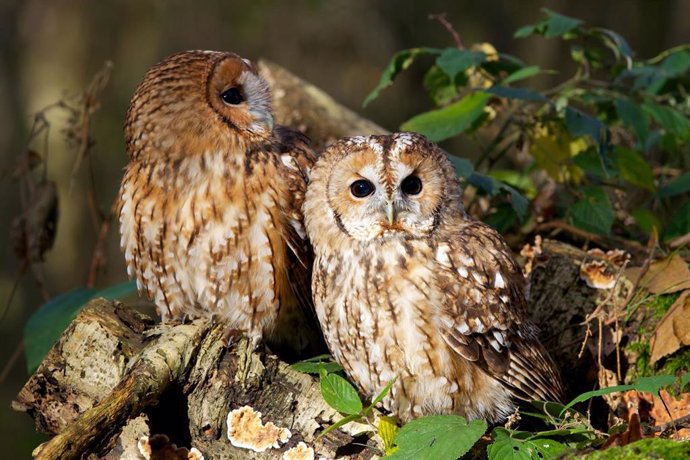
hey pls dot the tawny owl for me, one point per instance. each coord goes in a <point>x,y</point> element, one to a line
<point>407,285</point>
<point>210,204</point>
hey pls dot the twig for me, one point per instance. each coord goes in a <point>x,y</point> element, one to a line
<point>98,258</point>
<point>443,19</point>
<point>604,241</point>
<point>160,364</point>
<point>666,428</point>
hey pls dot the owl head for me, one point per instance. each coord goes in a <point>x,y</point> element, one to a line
<point>377,187</point>
<point>198,101</point>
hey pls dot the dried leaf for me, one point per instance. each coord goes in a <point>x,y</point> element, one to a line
<point>673,330</point>
<point>678,406</point>
<point>664,276</point>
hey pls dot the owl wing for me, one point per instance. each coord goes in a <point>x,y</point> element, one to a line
<point>297,159</point>
<point>484,318</point>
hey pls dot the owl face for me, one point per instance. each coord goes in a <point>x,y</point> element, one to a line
<point>197,101</point>
<point>385,186</point>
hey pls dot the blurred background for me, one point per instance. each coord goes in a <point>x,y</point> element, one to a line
<point>50,50</point>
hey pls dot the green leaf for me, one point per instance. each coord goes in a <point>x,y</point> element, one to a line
<point>676,64</point>
<point>340,394</point>
<point>633,117</point>
<point>463,166</point>
<point>654,383</point>
<point>673,122</point>
<point>591,394</point>
<point>449,121</point>
<point>399,62</point>
<point>646,220</point>
<point>49,322</point>
<point>506,447</point>
<point>680,223</point>
<point>387,429</point>
<point>684,380</point>
<point>441,89</point>
<point>315,364</point>
<point>521,74</point>
<point>515,93</point>
<point>594,212</point>
<point>678,185</point>
<point>382,394</point>
<point>453,60</point>
<point>558,24</point>
<point>615,42</point>
<point>339,423</point>
<point>581,124</point>
<point>437,437</point>
<point>633,167</point>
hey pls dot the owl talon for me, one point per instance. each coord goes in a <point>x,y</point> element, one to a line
<point>229,334</point>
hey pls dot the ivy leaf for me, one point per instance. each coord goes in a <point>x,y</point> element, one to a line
<point>594,212</point>
<point>449,121</point>
<point>437,437</point>
<point>678,185</point>
<point>507,447</point>
<point>453,61</point>
<point>340,394</point>
<point>399,62</point>
<point>314,365</point>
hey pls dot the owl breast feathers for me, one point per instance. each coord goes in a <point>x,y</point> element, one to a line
<point>210,204</point>
<point>407,285</point>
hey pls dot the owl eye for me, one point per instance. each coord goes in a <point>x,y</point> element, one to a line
<point>411,185</point>
<point>232,96</point>
<point>361,188</point>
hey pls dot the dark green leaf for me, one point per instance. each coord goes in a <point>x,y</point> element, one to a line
<point>591,162</point>
<point>47,324</point>
<point>618,44</point>
<point>581,124</point>
<point>503,219</point>
<point>674,122</point>
<point>340,394</point>
<point>453,60</point>
<point>315,364</point>
<point>485,183</point>
<point>680,223</point>
<point>506,447</point>
<point>463,166</point>
<point>594,212</point>
<point>517,201</point>
<point>678,185</point>
<point>646,220</point>
<point>399,62</point>
<point>684,380</point>
<point>558,24</point>
<point>526,31</point>
<point>633,168</point>
<point>676,64</point>
<point>521,74</point>
<point>634,118</point>
<point>516,93</point>
<point>437,437</point>
<point>449,121</point>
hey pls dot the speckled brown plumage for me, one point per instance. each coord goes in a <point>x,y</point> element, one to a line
<point>210,204</point>
<point>407,284</point>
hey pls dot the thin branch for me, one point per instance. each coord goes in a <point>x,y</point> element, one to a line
<point>443,19</point>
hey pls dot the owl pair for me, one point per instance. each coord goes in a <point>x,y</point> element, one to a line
<point>223,214</point>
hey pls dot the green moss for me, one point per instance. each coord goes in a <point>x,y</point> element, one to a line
<point>644,449</point>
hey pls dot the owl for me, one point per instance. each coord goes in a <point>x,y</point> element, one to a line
<point>406,285</point>
<point>210,203</point>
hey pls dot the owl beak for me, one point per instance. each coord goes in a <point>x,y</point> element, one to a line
<point>390,212</point>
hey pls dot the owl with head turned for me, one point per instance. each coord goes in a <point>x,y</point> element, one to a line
<point>210,203</point>
<point>408,286</point>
